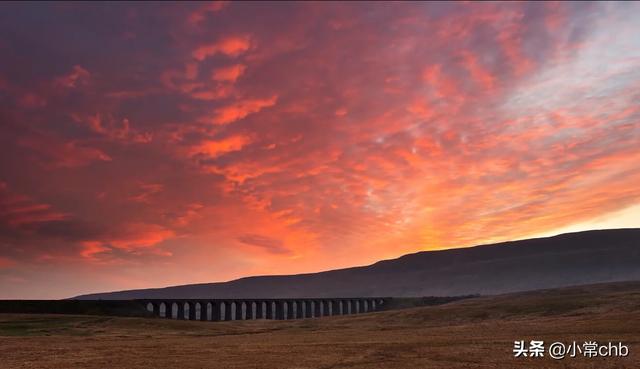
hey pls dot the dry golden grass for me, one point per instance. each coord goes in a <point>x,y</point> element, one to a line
<point>477,333</point>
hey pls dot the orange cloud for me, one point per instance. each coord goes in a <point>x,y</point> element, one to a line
<point>231,46</point>
<point>242,109</point>
<point>139,235</point>
<point>91,248</point>
<point>214,148</point>
<point>331,139</point>
<point>132,237</point>
<point>341,112</point>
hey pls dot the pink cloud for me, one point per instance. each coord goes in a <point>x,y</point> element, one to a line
<point>206,8</point>
<point>32,101</point>
<point>77,77</point>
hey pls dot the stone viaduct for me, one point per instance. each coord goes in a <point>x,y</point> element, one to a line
<point>249,309</point>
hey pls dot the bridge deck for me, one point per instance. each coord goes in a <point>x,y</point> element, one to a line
<point>203,309</point>
<point>248,309</point>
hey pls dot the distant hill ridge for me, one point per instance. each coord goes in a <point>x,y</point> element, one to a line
<point>564,260</point>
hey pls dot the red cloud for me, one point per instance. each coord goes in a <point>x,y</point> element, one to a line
<point>185,216</point>
<point>116,129</point>
<point>228,74</point>
<point>53,152</point>
<point>191,70</point>
<point>213,93</point>
<point>241,109</point>
<point>19,211</point>
<point>146,191</point>
<point>6,263</point>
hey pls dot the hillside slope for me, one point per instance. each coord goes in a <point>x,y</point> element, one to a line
<point>563,260</point>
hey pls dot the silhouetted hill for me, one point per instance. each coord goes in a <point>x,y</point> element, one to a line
<point>563,260</point>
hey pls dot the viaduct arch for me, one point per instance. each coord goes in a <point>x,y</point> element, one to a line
<point>252,309</point>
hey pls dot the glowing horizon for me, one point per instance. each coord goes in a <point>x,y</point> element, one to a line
<point>147,145</point>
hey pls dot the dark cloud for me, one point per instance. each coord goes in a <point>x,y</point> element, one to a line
<point>271,245</point>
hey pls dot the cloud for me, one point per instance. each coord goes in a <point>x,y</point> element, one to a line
<point>131,238</point>
<point>77,77</point>
<point>236,140</point>
<point>17,205</point>
<point>32,101</point>
<point>6,263</point>
<point>270,245</point>
<point>53,152</point>
<point>241,109</point>
<point>140,235</point>
<point>215,148</point>
<point>228,74</point>
<point>112,128</point>
<point>146,191</point>
<point>186,215</point>
<point>480,75</point>
<point>22,217</point>
<point>199,15</point>
<point>215,93</point>
<point>231,46</point>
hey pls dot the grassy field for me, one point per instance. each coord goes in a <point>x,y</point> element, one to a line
<point>475,333</point>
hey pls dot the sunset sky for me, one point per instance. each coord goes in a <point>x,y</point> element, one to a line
<point>154,144</point>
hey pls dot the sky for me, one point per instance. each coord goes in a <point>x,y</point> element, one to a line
<point>155,144</point>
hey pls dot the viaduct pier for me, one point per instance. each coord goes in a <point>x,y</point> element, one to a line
<point>250,309</point>
<point>207,309</point>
